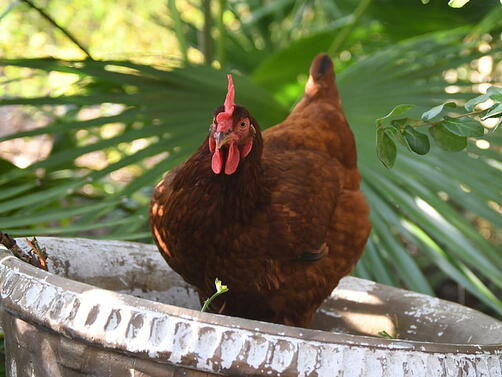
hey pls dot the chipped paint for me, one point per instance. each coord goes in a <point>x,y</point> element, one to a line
<point>216,344</point>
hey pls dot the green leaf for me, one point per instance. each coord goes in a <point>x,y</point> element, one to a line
<point>418,142</point>
<point>380,267</point>
<point>219,286</point>
<point>495,111</point>
<point>471,104</point>
<point>406,265</point>
<point>139,237</point>
<point>60,127</point>
<point>179,31</point>
<point>386,148</point>
<point>383,333</point>
<point>16,190</point>
<point>447,140</point>
<point>52,215</point>
<point>399,123</point>
<point>361,270</point>
<point>445,180</point>
<point>464,126</point>
<point>492,92</point>
<point>33,198</point>
<point>436,110</point>
<point>6,165</point>
<point>454,268</point>
<point>398,110</point>
<point>454,240</point>
<point>71,228</point>
<point>457,3</point>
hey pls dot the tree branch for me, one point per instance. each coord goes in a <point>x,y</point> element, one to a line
<point>59,27</point>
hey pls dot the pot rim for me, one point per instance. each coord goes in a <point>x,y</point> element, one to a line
<point>13,268</point>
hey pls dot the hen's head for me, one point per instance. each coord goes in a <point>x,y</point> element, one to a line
<point>231,135</point>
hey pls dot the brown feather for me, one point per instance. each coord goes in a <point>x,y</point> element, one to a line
<point>295,194</point>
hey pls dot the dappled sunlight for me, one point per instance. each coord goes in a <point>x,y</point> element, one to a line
<point>364,312</point>
<point>490,122</point>
<point>358,296</point>
<point>482,144</point>
<point>370,324</point>
<point>428,209</point>
<point>356,311</point>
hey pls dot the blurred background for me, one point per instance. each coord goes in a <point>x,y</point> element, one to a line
<point>99,98</point>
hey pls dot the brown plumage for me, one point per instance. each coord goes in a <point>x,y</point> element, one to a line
<point>278,216</point>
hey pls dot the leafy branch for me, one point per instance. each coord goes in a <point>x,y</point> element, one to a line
<point>220,289</point>
<point>449,131</point>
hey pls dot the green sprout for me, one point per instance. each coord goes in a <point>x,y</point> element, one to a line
<point>220,289</point>
<point>385,334</point>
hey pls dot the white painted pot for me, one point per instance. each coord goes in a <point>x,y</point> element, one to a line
<point>115,309</point>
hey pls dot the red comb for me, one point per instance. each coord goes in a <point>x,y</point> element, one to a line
<point>229,100</point>
<point>224,118</point>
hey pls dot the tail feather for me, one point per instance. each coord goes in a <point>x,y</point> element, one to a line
<point>321,69</point>
<point>322,78</point>
<point>321,82</point>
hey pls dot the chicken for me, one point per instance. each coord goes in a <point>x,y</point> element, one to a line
<point>277,216</point>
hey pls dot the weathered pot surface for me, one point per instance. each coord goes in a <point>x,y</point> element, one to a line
<point>83,319</point>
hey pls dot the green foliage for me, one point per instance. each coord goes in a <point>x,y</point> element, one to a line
<point>463,126</point>
<point>437,110</point>
<point>406,19</point>
<point>398,110</point>
<point>449,132</point>
<point>386,148</point>
<point>149,118</point>
<point>447,140</point>
<point>417,141</point>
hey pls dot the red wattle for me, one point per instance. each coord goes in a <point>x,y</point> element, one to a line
<point>233,159</point>
<point>247,148</point>
<point>216,162</point>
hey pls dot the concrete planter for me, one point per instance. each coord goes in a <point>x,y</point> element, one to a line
<point>95,315</point>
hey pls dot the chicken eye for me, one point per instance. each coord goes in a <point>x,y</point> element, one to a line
<point>244,123</point>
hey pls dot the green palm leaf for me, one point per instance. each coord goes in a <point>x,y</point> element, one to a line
<point>408,73</point>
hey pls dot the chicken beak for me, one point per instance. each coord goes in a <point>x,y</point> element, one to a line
<point>222,138</point>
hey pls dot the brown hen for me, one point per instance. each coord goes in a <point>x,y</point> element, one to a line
<point>278,216</point>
